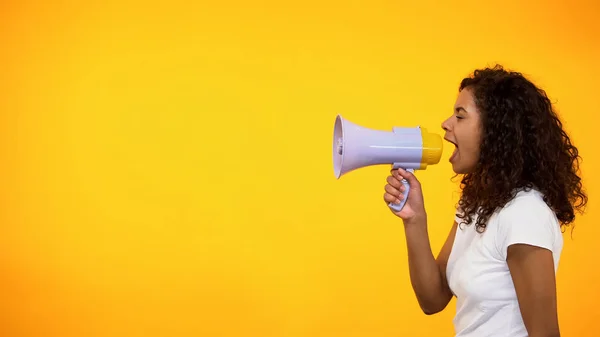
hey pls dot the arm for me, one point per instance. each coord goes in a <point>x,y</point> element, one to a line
<point>532,271</point>
<point>428,275</point>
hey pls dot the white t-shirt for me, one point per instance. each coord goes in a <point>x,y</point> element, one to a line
<point>477,271</point>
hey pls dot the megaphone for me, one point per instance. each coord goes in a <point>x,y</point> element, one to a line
<point>410,148</point>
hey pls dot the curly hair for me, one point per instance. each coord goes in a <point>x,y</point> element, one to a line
<point>523,146</point>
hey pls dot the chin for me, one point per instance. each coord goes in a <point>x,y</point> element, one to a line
<point>458,169</point>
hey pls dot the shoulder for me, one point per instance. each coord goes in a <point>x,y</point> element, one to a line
<point>527,201</point>
<point>527,209</point>
<point>527,219</point>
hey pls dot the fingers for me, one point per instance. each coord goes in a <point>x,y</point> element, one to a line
<point>395,181</point>
<point>393,189</point>
<point>409,176</point>
<point>390,199</point>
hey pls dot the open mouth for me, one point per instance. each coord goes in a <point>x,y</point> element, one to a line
<point>455,148</point>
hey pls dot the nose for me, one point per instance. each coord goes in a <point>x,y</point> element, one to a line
<point>446,125</point>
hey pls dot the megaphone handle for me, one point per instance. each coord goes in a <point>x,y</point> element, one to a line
<point>398,207</point>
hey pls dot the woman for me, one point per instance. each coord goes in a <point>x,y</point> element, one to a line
<point>519,187</point>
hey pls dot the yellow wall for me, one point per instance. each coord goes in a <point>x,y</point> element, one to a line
<point>161,162</point>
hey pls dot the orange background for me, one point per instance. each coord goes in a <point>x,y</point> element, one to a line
<point>162,163</point>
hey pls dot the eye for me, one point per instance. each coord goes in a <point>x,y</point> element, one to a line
<point>459,117</point>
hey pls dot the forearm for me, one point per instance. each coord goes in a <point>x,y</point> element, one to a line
<point>425,274</point>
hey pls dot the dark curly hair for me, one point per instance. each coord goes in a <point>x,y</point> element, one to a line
<point>523,146</point>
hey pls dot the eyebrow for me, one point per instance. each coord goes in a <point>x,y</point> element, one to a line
<point>459,108</point>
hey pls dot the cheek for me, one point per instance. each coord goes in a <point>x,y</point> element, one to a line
<point>474,146</point>
<point>472,135</point>
<point>470,147</point>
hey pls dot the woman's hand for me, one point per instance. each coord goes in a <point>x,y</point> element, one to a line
<point>414,208</point>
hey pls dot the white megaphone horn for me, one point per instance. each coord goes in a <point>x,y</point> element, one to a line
<point>403,147</point>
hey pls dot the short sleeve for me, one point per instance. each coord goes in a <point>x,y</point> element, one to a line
<point>526,220</point>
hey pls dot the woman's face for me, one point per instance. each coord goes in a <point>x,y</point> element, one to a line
<point>463,129</point>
